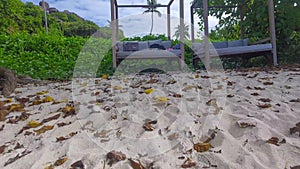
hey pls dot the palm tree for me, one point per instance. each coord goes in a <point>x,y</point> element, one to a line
<point>152,8</point>
<point>110,24</point>
<point>185,33</point>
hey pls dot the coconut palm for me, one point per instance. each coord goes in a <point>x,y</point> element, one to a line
<point>185,33</point>
<point>110,24</point>
<point>153,9</point>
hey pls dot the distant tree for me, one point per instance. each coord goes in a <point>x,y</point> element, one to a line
<point>186,32</point>
<point>110,24</point>
<point>44,3</point>
<point>153,9</point>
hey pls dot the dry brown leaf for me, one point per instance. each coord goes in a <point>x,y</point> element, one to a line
<point>264,99</point>
<point>23,99</point>
<point>148,126</point>
<point>43,129</point>
<point>295,100</point>
<point>254,94</point>
<point>3,114</point>
<point>63,124</point>
<point>264,106</point>
<point>68,110</point>
<point>245,124</point>
<point>60,161</point>
<point>268,83</point>
<point>202,147</point>
<point>273,140</point>
<point>3,102</point>
<point>188,163</point>
<point>176,95</point>
<point>62,138</point>
<point>102,134</point>
<point>295,129</point>
<point>296,167</point>
<point>2,127</point>
<point>259,88</point>
<point>212,102</point>
<point>2,148</point>
<point>171,82</point>
<point>230,95</point>
<point>77,165</point>
<point>173,136</point>
<point>51,118</point>
<point>136,165</point>
<point>205,77</point>
<point>13,159</point>
<point>115,156</point>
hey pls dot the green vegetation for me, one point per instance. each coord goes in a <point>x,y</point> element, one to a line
<point>28,50</point>
<point>69,49</point>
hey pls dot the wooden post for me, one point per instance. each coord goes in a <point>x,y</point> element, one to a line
<point>117,22</point>
<point>181,6</point>
<point>169,22</point>
<point>272,31</point>
<point>206,37</point>
<point>113,29</point>
<point>192,25</point>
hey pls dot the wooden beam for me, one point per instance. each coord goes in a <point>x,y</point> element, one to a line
<point>113,29</point>
<point>206,35</point>
<point>272,31</point>
<point>170,3</point>
<point>181,9</point>
<point>141,6</point>
<point>169,22</point>
<point>192,25</point>
<point>117,22</point>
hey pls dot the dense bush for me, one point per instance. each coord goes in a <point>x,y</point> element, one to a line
<point>40,56</point>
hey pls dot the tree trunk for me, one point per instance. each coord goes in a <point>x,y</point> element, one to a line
<point>8,81</point>
<point>151,23</point>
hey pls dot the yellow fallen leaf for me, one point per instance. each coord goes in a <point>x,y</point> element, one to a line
<point>43,129</point>
<point>60,161</point>
<point>148,91</point>
<point>49,167</point>
<point>162,99</point>
<point>197,76</point>
<point>33,124</point>
<point>99,104</point>
<point>42,92</point>
<point>16,107</point>
<point>202,147</point>
<point>117,87</point>
<point>84,84</point>
<point>104,76</point>
<point>48,99</point>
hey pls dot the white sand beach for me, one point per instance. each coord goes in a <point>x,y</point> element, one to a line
<point>226,120</point>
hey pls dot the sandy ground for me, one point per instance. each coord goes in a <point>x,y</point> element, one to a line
<point>225,120</point>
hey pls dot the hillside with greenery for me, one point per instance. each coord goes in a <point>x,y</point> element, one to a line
<point>28,50</point>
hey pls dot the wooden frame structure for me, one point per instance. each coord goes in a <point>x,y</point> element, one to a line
<point>115,16</point>
<point>204,5</point>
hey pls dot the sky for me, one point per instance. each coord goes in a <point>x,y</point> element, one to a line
<point>133,21</point>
